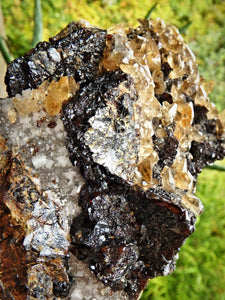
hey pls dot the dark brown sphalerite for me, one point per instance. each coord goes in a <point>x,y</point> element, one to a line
<point>139,128</point>
<point>129,236</point>
<point>75,52</point>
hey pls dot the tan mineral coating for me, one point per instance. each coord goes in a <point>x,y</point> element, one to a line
<point>49,96</point>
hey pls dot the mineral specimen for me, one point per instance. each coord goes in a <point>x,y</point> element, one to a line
<point>127,110</point>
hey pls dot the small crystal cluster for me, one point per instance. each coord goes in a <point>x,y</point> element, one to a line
<point>127,110</point>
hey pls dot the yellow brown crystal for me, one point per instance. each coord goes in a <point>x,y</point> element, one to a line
<point>221,126</point>
<point>31,100</point>
<point>49,96</point>
<point>141,55</point>
<point>57,93</point>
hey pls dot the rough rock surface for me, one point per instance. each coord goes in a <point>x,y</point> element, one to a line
<point>102,138</point>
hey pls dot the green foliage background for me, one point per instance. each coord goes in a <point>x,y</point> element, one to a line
<point>200,272</point>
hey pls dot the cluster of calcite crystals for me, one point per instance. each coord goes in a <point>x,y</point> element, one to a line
<point>48,96</point>
<point>169,116</point>
<point>102,139</point>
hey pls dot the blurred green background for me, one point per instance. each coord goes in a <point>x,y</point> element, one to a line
<point>200,272</point>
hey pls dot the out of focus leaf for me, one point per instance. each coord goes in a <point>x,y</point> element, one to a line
<point>5,51</point>
<point>38,27</point>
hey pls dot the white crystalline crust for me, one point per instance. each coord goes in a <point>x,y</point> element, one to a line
<point>44,151</point>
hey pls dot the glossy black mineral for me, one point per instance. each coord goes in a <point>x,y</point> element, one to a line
<point>126,235</point>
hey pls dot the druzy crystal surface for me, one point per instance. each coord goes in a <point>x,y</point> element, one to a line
<point>102,138</point>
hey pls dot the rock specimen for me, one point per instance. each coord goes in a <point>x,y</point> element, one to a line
<point>102,138</point>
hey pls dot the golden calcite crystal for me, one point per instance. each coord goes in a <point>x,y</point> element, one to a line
<point>57,93</point>
<point>165,75</point>
<point>48,95</point>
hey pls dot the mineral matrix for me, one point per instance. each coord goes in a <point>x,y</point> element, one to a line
<point>127,110</point>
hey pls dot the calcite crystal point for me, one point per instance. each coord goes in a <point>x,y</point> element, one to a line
<point>102,138</point>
